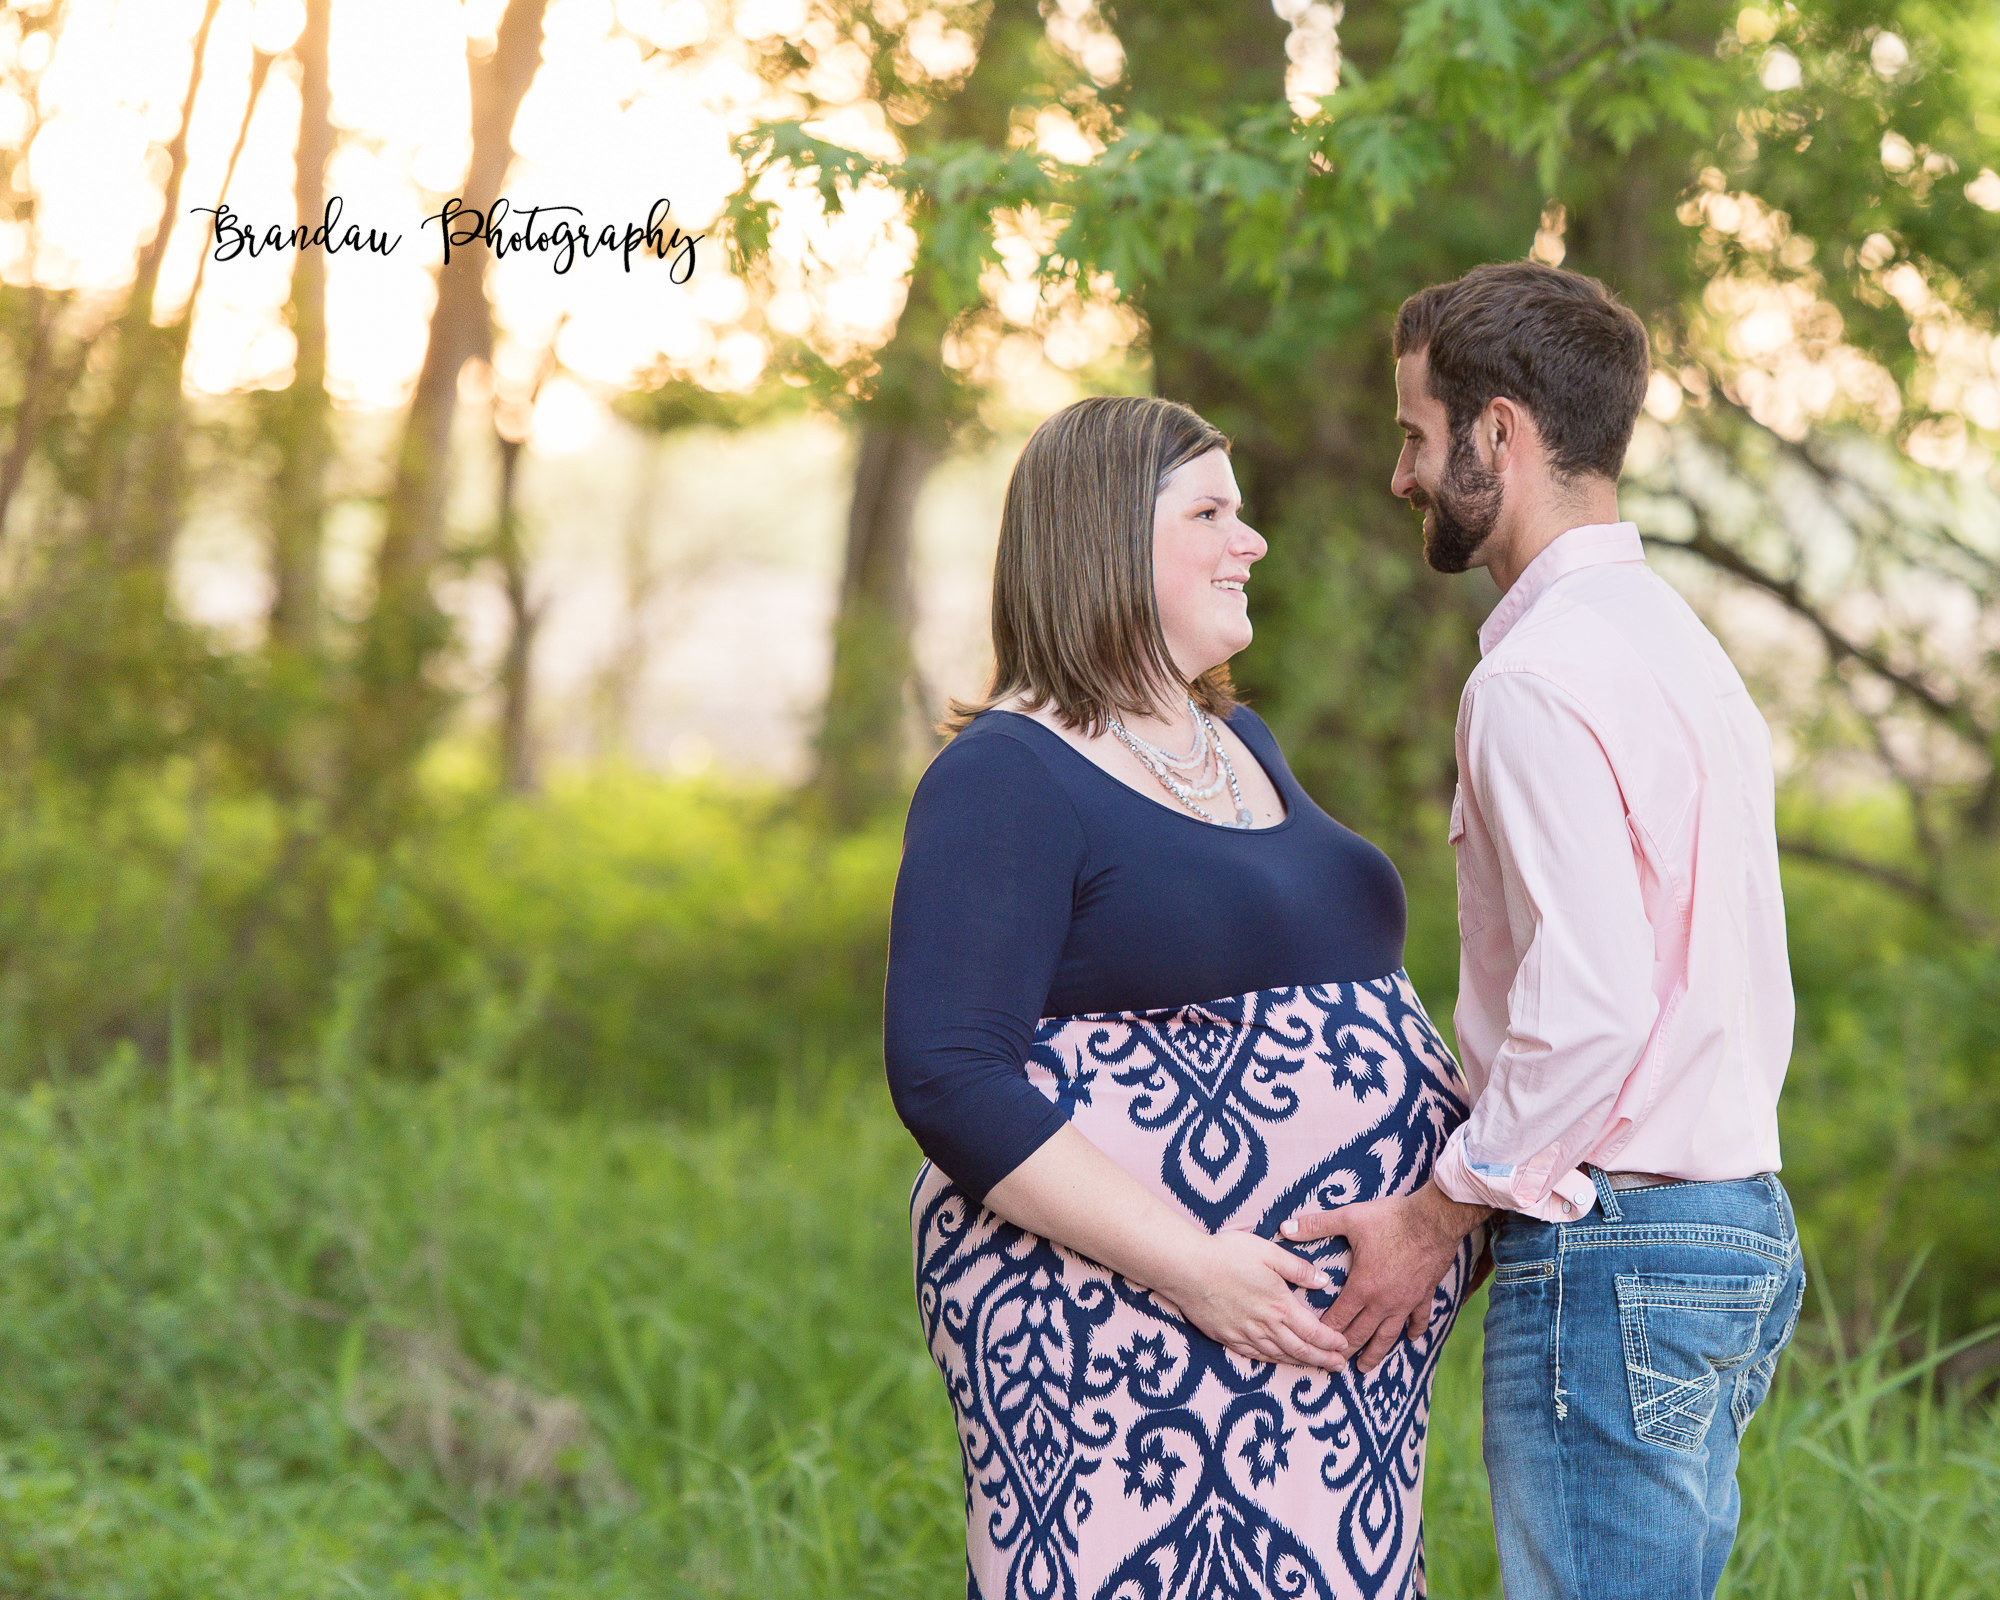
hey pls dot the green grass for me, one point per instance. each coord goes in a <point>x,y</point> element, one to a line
<point>260,1344</point>
<point>623,945</point>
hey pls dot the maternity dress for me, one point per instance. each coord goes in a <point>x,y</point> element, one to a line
<point>1223,1012</point>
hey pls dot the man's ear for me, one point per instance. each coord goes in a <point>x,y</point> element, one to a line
<point>1504,428</point>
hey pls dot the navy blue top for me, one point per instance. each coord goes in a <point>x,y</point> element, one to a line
<point>1035,884</point>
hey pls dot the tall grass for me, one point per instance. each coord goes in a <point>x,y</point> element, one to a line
<point>626,944</point>
<point>317,1342</point>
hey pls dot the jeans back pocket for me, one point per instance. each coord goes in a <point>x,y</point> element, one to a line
<point>1681,1331</point>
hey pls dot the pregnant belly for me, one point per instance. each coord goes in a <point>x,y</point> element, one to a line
<point>1111,1449</point>
<point>1244,1110</point>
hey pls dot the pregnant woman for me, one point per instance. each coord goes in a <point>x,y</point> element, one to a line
<point>1145,1003</point>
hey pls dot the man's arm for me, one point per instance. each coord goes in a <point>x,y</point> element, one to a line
<point>1581,1007</point>
<point>1579,1012</point>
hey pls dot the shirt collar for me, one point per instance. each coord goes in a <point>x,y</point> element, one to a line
<point>1594,544</point>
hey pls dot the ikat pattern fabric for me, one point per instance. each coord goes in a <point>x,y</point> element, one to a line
<point>1111,1450</point>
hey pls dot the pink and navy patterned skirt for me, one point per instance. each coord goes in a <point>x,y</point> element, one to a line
<point>1110,1448</point>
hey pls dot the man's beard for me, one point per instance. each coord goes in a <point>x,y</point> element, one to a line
<point>1462,512</point>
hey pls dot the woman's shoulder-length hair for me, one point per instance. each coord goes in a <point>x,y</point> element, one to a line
<point>1075,622</point>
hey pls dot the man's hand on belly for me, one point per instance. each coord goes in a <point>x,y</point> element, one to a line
<point>1398,1253</point>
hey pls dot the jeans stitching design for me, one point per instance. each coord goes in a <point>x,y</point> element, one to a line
<point>1759,1377</point>
<point>1778,1199</point>
<point>1638,1353</point>
<point>1633,1233</point>
<point>1561,1399</point>
<point>1524,1271</point>
<point>1667,1410</point>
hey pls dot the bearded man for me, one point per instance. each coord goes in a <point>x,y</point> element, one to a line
<point>1625,1004</point>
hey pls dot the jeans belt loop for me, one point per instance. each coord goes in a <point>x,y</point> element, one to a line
<point>1607,1197</point>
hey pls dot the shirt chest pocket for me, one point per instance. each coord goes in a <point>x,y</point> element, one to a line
<point>1472,906</point>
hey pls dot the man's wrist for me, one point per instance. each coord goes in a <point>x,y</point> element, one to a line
<point>1449,1220</point>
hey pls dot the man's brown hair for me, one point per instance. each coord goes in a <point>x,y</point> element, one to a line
<point>1075,621</point>
<point>1559,343</point>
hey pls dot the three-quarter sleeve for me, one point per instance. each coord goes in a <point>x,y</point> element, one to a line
<point>991,855</point>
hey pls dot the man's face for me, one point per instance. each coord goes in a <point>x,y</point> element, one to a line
<point>1442,477</point>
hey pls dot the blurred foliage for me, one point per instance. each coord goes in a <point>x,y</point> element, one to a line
<point>617,942</point>
<point>622,944</point>
<point>1891,1110</point>
<point>429,1341</point>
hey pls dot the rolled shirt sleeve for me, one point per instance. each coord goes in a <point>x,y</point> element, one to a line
<point>1581,1005</point>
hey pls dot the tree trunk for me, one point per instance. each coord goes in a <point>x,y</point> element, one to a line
<point>304,430</point>
<point>396,709</point>
<point>517,751</point>
<point>617,685</point>
<point>133,460</point>
<point>1360,651</point>
<point>903,427</point>
<point>861,739</point>
<point>38,395</point>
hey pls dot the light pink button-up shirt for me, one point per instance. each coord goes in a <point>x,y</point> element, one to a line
<point>1624,993</point>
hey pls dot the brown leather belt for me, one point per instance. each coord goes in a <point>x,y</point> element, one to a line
<point>1637,1180</point>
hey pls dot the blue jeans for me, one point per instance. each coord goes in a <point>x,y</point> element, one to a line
<point>1624,1354</point>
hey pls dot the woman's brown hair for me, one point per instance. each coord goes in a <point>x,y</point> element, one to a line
<point>1075,621</point>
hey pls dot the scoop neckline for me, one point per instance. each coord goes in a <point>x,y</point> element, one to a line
<point>1176,809</point>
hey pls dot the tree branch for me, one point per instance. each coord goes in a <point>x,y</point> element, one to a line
<point>1954,715</point>
<point>1915,889</point>
<point>1834,481</point>
<point>1927,839</point>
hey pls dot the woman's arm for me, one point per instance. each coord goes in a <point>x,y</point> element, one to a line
<point>1235,1287</point>
<point>991,859</point>
<point>991,856</point>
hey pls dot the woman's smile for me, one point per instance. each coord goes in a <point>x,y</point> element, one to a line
<point>1202,544</point>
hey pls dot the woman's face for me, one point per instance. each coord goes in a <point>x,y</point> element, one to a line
<point>1202,555</point>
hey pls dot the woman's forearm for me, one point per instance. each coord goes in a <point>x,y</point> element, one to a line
<point>1070,1191</point>
<point>1235,1287</point>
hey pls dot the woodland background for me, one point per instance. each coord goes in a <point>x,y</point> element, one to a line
<point>445,1150</point>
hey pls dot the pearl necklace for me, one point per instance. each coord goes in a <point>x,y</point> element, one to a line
<point>1192,769</point>
<point>1176,773</point>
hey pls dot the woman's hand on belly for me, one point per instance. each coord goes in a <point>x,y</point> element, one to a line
<point>1399,1251</point>
<point>1235,1287</point>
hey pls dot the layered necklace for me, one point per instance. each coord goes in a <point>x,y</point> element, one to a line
<point>1194,775</point>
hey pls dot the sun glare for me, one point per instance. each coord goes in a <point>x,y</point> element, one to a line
<point>634,105</point>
